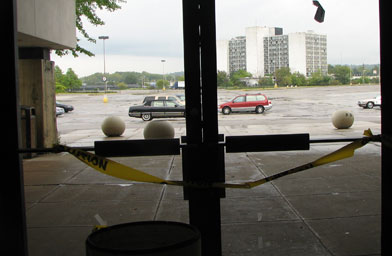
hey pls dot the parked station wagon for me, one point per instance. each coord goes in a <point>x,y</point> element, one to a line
<point>157,109</point>
<point>257,103</point>
<point>165,97</point>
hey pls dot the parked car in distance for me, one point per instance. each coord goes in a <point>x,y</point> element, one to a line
<point>164,97</point>
<point>257,103</point>
<point>181,97</point>
<point>370,103</point>
<point>157,109</point>
<point>64,106</point>
<point>59,111</point>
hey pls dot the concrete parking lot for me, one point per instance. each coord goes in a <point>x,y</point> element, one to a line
<point>305,110</point>
<point>330,210</point>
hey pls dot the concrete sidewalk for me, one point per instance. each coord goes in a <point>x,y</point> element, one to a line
<point>334,209</point>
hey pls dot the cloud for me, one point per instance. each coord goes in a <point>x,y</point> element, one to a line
<point>152,29</point>
<point>142,28</point>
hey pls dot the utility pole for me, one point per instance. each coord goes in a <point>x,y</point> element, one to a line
<point>163,74</point>
<point>104,78</point>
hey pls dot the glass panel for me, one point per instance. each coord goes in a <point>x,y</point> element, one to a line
<point>157,104</point>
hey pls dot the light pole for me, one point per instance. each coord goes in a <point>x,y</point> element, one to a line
<point>105,98</point>
<point>163,74</point>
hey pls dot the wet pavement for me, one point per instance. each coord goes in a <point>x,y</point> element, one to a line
<point>333,209</point>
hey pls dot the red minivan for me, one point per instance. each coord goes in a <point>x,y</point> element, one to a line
<point>257,103</point>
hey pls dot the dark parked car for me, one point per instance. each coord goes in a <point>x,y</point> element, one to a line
<point>157,109</point>
<point>165,97</point>
<point>64,106</point>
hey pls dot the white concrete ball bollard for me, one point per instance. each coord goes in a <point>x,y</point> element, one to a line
<point>113,126</point>
<point>342,119</point>
<point>158,129</point>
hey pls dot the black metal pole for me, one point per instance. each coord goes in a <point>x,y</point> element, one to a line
<point>12,205</point>
<point>203,159</point>
<point>192,71</point>
<point>386,124</point>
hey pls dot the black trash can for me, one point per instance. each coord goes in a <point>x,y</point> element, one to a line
<point>149,238</point>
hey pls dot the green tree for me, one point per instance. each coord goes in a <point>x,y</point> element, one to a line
<point>318,78</point>
<point>114,78</point>
<point>131,78</point>
<point>122,86</point>
<point>223,79</point>
<point>331,69</point>
<point>298,79</point>
<point>93,79</point>
<point>235,77</point>
<point>71,80</point>
<point>266,81</point>
<point>161,83</point>
<point>59,79</point>
<point>342,74</point>
<point>283,76</point>
<point>60,88</point>
<point>58,75</point>
<point>87,9</point>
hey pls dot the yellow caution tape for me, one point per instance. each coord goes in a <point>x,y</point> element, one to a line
<point>112,168</point>
<point>345,152</point>
<point>342,153</point>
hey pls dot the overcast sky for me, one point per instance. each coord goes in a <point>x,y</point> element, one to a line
<point>144,32</point>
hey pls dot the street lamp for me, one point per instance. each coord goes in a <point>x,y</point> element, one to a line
<point>163,74</point>
<point>105,98</point>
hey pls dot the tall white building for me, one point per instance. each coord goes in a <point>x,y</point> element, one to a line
<point>276,53</point>
<point>222,55</point>
<point>267,49</point>
<point>316,52</point>
<point>245,52</point>
<point>255,48</point>
<point>303,52</point>
<point>237,54</point>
